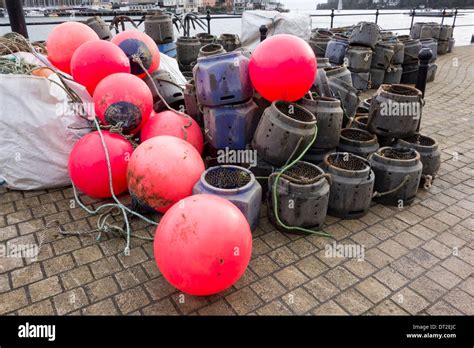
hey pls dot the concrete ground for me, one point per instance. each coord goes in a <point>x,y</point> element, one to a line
<point>418,260</point>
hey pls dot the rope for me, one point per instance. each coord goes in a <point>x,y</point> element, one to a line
<point>395,189</point>
<point>275,185</point>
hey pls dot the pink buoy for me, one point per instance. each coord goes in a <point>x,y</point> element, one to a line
<point>172,123</point>
<point>163,170</point>
<point>135,43</point>
<point>64,40</point>
<point>93,61</point>
<point>123,98</point>
<point>283,67</point>
<point>203,245</point>
<point>88,166</point>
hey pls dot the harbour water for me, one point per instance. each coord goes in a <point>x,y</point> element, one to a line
<point>396,20</point>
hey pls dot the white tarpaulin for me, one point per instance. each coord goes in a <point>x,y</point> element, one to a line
<point>35,138</point>
<point>297,24</point>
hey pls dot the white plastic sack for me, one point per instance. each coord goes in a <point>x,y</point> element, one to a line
<point>171,65</point>
<point>297,24</point>
<point>35,140</point>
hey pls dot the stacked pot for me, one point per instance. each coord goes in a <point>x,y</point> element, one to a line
<point>319,40</point>
<point>359,54</point>
<point>224,93</point>
<point>410,64</point>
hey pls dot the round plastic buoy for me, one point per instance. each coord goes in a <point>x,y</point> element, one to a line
<point>283,67</point>
<point>172,123</point>
<point>163,170</point>
<point>64,40</point>
<point>88,166</point>
<point>94,61</point>
<point>203,245</point>
<point>123,98</point>
<point>135,43</point>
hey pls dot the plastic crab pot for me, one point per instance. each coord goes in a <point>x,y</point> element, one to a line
<point>340,73</point>
<point>206,38</point>
<point>358,142</point>
<point>230,42</point>
<point>397,175</point>
<point>169,89</point>
<point>231,125</point>
<point>352,183</point>
<point>323,62</point>
<point>191,104</point>
<point>383,55</point>
<point>316,156</point>
<point>360,121</point>
<point>235,184</point>
<point>429,154</point>
<point>365,34</point>
<point>376,77</point>
<point>411,49</point>
<point>336,50</point>
<point>321,84</point>
<point>222,79</point>
<point>160,28</point>
<point>285,129</point>
<point>409,73</point>
<point>319,40</point>
<point>361,80</point>
<point>445,32</point>
<point>210,50</point>
<point>302,197</point>
<point>187,50</point>
<point>398,52</point>
<point>393,75</point>
<point>395,111</point>
<point>348,95</point>
<point>329,117</point>
<point>359,58</point>
<point>100,27</point>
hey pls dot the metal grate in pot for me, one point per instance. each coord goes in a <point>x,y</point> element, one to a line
<point>356,134</point>
<point>302,173</point>
<point>401,154</point>
<point>347,161</point>
<point>227,178</point>
<point>420,140</point>
<point>294,111</point>
<point>402,90</point>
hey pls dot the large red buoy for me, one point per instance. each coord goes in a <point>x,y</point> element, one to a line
<point>283,67</point>
<point>163,170</point>
<point>88,166</point>
<point>135,42</point>
<point>172,123</point>
<point>96,60</point>
<point>123,98</point>
<point>203,245</point>
<point>63,41</point>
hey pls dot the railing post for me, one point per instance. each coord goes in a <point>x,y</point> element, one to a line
<point>332,18</point>
<point>17,17</point>
<point>424,56</point>
<point>263,32</point>
<point>444,14</point>
<point>377,15</point>
<point>208,18</point>
<point>412,18</point>
<point>454,19</point>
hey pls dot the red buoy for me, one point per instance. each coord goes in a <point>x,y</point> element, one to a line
<point>123,98</point>
<point>64,40</point>
<point>94,61</point>
<point>203,245</point>
<point>88,166</point>
<point>172,123</point>
<point>137,43</point>
<point>283,67</point>
<point>163,170</point>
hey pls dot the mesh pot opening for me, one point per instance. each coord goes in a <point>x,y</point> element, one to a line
<point>362,119</point>
<point>399,154</point>
<point>228,36</point>
<point>401,90</point>
<point>356,134</point>
<point>211,48</point>
<point>302,173</point>
<point>420,140</point>
<point>293,111</point>
<point>190,39</point>
<point>227,178</point>
<point>347,161</point>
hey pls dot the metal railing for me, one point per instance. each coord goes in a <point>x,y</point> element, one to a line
<point>445,13</point>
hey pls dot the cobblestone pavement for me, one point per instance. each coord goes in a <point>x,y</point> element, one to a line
<point>418,260</point>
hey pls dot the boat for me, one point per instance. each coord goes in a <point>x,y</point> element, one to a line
<point>339,6</point>
<point>34,13</point>
<point>428,12</point>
